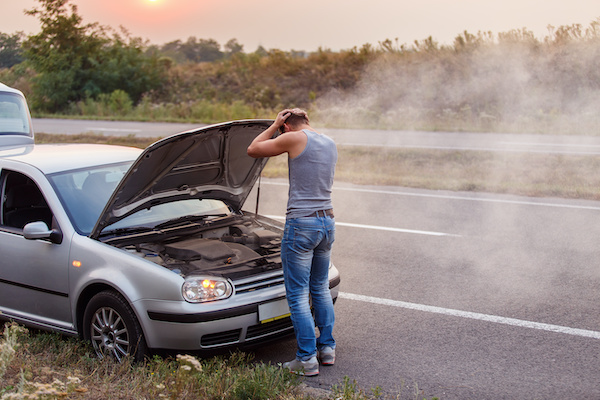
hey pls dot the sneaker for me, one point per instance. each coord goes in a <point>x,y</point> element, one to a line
<point>306,368</point>
<point>327,355</point>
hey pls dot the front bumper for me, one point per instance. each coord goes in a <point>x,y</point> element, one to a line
<point>180,326</point>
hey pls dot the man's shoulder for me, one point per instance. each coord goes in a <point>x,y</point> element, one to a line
<point>296,135</point>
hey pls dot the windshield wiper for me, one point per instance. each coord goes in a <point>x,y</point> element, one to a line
<point>127,231</point>
<point>131,235</point>
<point>188,218</point>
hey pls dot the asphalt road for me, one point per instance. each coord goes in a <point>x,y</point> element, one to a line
<point>460,295</point>
<point>532,143</point>
<point>451,295</point>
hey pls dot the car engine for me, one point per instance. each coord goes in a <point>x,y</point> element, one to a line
<point>235,247</point>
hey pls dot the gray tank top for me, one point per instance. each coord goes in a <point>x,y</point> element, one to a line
<point>311,176</point>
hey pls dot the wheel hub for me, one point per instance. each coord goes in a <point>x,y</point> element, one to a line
<point>109,334</point>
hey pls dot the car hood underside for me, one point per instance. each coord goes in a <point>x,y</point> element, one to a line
<point>207,163</point>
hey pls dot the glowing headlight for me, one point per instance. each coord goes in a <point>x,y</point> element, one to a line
<point>198,289</point>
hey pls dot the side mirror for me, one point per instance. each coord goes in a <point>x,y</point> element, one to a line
<point>39,230</point>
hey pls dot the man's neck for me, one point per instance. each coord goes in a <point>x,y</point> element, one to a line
<point>303,126</point>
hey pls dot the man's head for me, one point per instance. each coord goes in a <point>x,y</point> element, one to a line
<point>296,119</point>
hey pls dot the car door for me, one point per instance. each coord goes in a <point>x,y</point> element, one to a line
<point>34,284</point>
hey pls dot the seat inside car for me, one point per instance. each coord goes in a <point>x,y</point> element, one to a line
<point>96,189</point>
<point>25,203</point>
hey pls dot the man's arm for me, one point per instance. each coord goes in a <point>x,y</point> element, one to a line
<point>264,145</point>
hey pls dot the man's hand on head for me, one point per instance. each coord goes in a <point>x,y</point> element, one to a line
<point>282,116</point>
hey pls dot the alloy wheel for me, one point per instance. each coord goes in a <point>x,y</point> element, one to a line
<point>109,334</point>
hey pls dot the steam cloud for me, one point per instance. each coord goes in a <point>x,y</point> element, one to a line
<point>515,83</point>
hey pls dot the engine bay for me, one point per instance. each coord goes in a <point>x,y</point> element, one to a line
<point>235,247</point>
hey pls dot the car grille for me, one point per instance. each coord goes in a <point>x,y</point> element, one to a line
<point>257,331</point>
<point>257,282</point>
<point>254,332</point>
<point>221,338</point>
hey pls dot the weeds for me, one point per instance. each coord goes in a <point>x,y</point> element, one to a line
<point>118,105</point>
<point>8,346</point>
<point>534,175</point>
<point>49,366</point>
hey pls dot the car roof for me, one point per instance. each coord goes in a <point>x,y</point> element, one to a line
<point>52,158</point>
<point>4,88</point>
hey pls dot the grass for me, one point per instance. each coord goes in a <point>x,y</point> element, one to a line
<point>526,174</point>
<point>48,366</point>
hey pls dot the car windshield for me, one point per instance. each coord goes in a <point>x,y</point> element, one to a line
<point>14,118</point>
<point>84,194</point>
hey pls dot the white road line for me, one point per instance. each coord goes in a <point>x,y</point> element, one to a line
<point>551,144</point>
<point>114,129</point>
<point>449,197</point>
<point>463,148</point>
<point>385,228</point>
<point>379,228</point>
<point>471,315</point>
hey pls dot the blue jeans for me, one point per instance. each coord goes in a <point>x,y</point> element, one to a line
<point>305,253</point>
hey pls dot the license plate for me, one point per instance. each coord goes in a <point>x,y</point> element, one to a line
<point>272,311</point>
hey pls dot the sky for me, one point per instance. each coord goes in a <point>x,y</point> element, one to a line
<point>312,24</point>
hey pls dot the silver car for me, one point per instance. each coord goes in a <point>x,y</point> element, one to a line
<point>138,250</point>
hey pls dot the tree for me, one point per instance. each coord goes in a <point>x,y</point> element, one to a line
<point>76,61</point>
<point>233,47</point>
<point>11,51</point>
<point>201,50</point>
<point>59,53</point>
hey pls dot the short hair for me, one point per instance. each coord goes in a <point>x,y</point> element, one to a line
<point>297,117</point>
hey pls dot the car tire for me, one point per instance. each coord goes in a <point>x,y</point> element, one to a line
<point>111,326</point>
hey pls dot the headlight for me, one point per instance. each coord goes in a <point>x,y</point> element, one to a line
<point>198,289</point>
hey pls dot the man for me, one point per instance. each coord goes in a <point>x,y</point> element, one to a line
<point>309,233</point>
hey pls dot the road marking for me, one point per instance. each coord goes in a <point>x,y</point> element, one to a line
<point>464,148</point>
<point>451,197</point>
<point>114,130</point>
<point>471,315</point>
<point>584,145</point>
<point>385,228</point>
<point>379,228</point>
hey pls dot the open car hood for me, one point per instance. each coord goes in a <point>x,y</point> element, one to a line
<point>206,163</point>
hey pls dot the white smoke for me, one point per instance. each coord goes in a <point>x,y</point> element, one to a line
<point>513,83</point>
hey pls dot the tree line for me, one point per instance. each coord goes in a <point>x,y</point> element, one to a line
<point>511,80</point>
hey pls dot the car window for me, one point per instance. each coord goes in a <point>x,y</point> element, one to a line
<point>84,194</point>
<point>13,115</point>
<point>22,201</point>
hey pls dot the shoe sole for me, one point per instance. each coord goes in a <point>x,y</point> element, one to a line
<point>327,360</point>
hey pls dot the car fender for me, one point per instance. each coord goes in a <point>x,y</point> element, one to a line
<point>96,266</point>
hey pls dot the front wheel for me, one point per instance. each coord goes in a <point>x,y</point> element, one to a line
<point>112,327</point>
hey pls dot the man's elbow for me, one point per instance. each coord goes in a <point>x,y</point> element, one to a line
<point>253,152</point>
